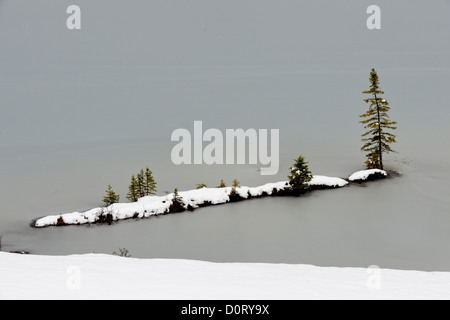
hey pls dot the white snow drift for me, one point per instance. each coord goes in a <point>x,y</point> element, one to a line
<point>365,174</point>
<point>328,181</point>
<point>109,277</point>
<point>154,205</point>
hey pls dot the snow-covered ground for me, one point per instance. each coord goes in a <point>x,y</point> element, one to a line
<point>110,277</point>
<point>155,205</point>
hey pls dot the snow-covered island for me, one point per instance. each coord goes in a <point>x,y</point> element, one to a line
<point>157,205</point>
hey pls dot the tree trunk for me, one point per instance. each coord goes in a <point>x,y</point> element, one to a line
<point>379,133</point>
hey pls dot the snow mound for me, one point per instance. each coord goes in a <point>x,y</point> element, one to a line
<point>156,205</point>
<point>365,174</point>
<point>328,181</point>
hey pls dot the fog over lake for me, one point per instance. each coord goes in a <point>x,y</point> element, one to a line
<point>80,110</point>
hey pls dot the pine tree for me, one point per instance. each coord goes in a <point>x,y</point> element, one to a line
<point>111,197</point>
<point>140,177</point>
<point>222,184</point>
<point>149,183</point>
<point>177,203</point>
<point>377,139</point>
<point>133,193</point>
<point>235,185</point>
<point>201,186</point>
<point>300,176</point>
<point>177,198</point>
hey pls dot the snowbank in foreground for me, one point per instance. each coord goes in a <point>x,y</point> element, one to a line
<point>365,174</point>
<point>155,205</point>
<point>108,277</point>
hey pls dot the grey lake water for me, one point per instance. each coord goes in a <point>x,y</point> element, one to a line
<point>80,110</point>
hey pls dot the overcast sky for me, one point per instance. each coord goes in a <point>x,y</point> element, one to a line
<point>143,68</point>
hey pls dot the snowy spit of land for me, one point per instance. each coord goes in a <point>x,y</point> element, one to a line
<point>111,277</point>
<point>156,205</point>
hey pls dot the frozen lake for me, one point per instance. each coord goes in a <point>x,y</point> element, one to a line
<point>397,223</point>
<point>79,111</point>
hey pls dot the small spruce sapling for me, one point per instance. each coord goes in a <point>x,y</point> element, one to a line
<point>300,176</point>
<point>111,197</point>
<point>235,185</point>
<point>222,184</point>
<point>234,195</point>
<point>177,203</point>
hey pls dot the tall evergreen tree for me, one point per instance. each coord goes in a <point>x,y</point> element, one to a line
<point>149,183</point>
<point>377,139</point>
<point>300,176</point>
<point>111,197</point>
<point>140,177</point>
<point>133,191</point>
